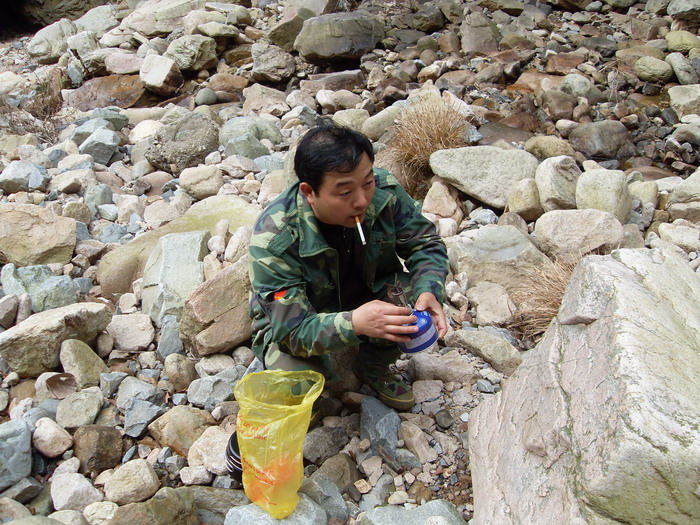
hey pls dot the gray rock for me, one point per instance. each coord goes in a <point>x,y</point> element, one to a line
<point>86,129</point>
<point>323,443</point>
<point>379,493</point>
<point>23,491</point>
<point>210,391</point>
<point>170,342</point>
<point>114,115</point>
<point>500,354</point>
<point>391,515</point>
<point>556,179</point>
<point>580,86</point>
<point>15,452</point>
<point>341,469</point>
<point>80,408</point>
<point>172,272</point>
<point>338,36</point>
<point>607,139</point>
<point>478,34</point>
<point>8,310</point>
<point>325,493</point>
<point>109,382</point>
<point>380,424</point>
<point>205,97</point>
<point>246,146</point>
<point>133,388</point>
<point>97,195</point>
<point>183,144</point>
<point>306,513</point>
<point>101,145</point>
<point>259,127</point>
<point>683,68</point>
<point>138,415</point>
<point>113,233</point>
<point>23,176</point>
<point>73,491</point>
<point>47,290</point>
<point>684,9</point>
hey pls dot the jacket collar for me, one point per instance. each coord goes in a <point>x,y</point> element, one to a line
<point>311,242</point>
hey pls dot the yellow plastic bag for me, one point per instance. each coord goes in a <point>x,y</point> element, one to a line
<point>275,409</point>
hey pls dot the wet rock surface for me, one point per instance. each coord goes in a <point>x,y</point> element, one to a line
<point>139,142</point>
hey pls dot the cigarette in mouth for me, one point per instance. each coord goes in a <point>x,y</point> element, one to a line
<point>359,229</point>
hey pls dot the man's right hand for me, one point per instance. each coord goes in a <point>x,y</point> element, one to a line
<point>383,320</point>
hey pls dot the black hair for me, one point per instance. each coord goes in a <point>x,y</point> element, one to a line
<point>329,147</point>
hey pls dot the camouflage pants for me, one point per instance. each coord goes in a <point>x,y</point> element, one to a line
<point>372,361</point>
<point>373,357</point>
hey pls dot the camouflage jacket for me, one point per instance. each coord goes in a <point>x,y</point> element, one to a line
<point>295,300</point>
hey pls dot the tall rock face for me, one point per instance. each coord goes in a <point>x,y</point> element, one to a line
<point>45,12</point>
<point>599,423</point>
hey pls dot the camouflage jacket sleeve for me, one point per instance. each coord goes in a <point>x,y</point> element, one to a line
<point>279,306</point>
<point>421,248</point>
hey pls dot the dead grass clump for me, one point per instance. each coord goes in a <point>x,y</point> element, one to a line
<point>423,128</point>
<point>539,297</point>
<point>36,114</point>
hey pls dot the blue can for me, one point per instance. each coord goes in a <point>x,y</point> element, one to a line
<point>424,338</point>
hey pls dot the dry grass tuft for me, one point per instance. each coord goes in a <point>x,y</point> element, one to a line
<point>423,128</point>
<point>539,297</point>
<point>37,113</point>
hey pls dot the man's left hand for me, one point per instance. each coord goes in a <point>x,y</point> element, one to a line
<point>428,302</point>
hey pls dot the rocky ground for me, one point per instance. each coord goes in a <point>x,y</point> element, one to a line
<point>138,145</point>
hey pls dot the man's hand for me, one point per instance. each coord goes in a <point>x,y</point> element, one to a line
<point>384,321</point>
<point>428,302</point>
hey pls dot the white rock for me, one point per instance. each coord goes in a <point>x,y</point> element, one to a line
<point>568,234</point>
<point>100,511</point>
<point>682,233</point>
<point>210,450</point>
<point>198,475</point>
<point>602,416</point>
<point>131,332</point>
<point>50,438</point>
<point>69,517</point>
<point>493,306</point>
<point>73,492</point>
<point>134,481</point>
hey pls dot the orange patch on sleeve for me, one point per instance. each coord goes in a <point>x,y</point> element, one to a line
<point>279,295</point>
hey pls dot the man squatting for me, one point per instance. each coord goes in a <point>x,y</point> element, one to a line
<point>317,289</point>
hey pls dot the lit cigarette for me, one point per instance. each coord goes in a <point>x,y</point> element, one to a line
<point>359,229</point>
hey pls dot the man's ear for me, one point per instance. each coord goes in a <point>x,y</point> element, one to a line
<point>308,192</point>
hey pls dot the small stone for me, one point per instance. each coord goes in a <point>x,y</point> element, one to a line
<point>363,486</point>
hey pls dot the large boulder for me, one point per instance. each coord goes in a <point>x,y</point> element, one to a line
<point>498,254</point>
<point>338,36</point>
<point>599,423</point>
<point>32,235</point>
<point>216,317</point>
<point>33,346</point>
<point>119,268</point>
<point>486,173</point>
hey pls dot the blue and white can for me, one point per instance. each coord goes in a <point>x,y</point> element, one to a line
<point>424,338</point>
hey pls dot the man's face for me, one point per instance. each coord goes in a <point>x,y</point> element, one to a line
<point>342,196</point>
